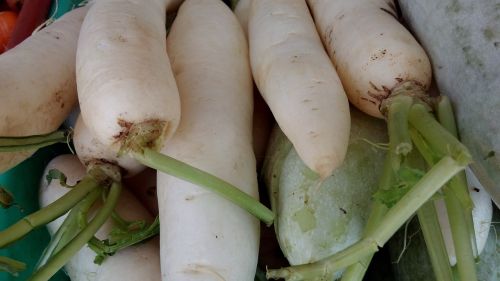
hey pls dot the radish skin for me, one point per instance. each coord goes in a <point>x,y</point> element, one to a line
<point>298,82</point>
<point>372,67</point>
<point>31,103</point>
<point>89,150</point>
<point>212,239</point>
<point>141,262</point>
<point>242,11</point>
<point>125,83</point>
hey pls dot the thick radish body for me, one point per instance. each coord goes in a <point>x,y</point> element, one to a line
<point>204,237</point>
<point>372,52</point>
<point>139,262</point>
<point>33,104</point>
<point>298,82</point>
<point>125,83</point>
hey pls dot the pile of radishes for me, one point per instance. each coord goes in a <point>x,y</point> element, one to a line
<point>182,103</point>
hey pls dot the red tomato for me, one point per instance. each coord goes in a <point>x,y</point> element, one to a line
<point>7,22</point>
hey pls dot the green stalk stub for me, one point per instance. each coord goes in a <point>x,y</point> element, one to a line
<point>397,122</point>
<point>437,137</point>
<point>61,258</point>
<point>49,213</point>
<point>196,176</point>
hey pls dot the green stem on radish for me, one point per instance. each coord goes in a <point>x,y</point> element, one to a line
<point>456,216</point>
<point>397,126</point>
<point>422,191</point>
<point>431,230</point>
<point>458,184</point>
<point>438,138</point>
<point>13,144</point>
<point>70,227</point>
<point>11,266</point>
<point>196,176</point>
<point>60,259</point>
<point>49,213</point>
<point>461,237</point>
<point>436,248</point>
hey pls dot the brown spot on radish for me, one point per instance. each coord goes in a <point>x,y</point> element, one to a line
<point>379,96</point>
<point>189,198</point>
<point>399,79</point>
<point>341,16</point>
<point>343,211</point>
<point>125,129</point>
<point>368,100</point>
<point>380,54</point>
<point>476,189</point>
<point>329,36</point>
<point>294,58</point>
<point>496,44</point>
<point>313,134</point>
<point>374,86</point>
<point>314,108</point>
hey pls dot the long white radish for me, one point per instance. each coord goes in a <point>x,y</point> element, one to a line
<point>141,262</point>
<point>372,52</point>
<point>298,82</point>
<point>37,78</point>
<point>204,237</point>
<point>126,89</point>
<point>128,96</point>
<point>89,149</point>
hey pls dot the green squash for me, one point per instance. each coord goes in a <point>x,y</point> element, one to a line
<point>317,218</point>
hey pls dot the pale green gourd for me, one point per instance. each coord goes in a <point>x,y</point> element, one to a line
<point>316,219</point>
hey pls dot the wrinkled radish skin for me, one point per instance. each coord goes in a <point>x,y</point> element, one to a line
<point>372,67</point>
<point>298,82</point>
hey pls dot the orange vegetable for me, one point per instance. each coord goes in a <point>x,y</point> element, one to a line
<point>7,22</point>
